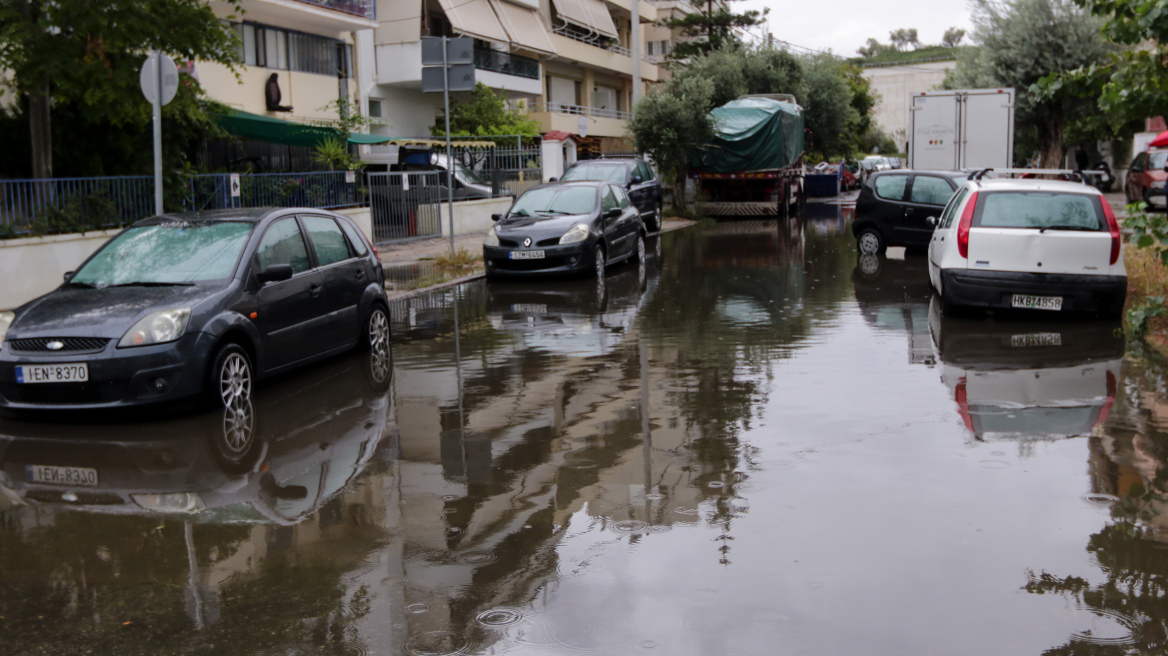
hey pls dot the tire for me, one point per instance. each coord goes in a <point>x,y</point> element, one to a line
<point>870,242</point>
<point>655,226</point>
<point>375,330</point>
<point>639,251</point>
<point>869,265</point>
<point>599,261</point>
<point>230,378</point>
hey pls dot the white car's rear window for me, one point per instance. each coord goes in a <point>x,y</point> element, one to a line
<point>1036,209</point>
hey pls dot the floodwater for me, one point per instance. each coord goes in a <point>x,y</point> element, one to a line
<point>757,443</point>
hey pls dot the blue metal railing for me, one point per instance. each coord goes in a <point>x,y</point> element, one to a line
<point>319,189</point>
<point>54,205</point>
<point>506,63</point>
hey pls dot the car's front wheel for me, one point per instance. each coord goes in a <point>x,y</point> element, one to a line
<point>599,260</point>
<point>870,242</point>
<point>639,252</point>
<point>376,333</point>
<point>229,382</point>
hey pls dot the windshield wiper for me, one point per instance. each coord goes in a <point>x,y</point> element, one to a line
<point>520,213</point>
<point>83,285</point>
<point>1067,227</point>
<point>550,212</point>
<point>144,283</point>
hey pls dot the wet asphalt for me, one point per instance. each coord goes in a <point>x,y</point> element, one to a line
<point>756,442</point>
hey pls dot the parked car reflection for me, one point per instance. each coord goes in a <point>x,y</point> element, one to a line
<point>1028,380</point>
<point>893,294</point>
<point>304,439</point>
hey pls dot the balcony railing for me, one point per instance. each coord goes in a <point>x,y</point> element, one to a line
<point>599,41</point>
<point>362,8</point>
<point>506,63</point>
<point>595,112</point>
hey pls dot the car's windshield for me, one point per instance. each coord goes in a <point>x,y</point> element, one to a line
<point>602,172</point>
<point>1040,209</point>
<point>1157,158</point>
<point>174,252</point>
<point>555,200</point>
<point>466,176</point>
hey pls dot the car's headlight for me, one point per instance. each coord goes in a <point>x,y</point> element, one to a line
<point>492,238</point>
<point>158,328</point>
<point>578,233</point>
<point>6,319</point>
<point>173,502</point>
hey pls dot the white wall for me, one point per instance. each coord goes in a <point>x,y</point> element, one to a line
<point>34,266</point>
<point>895,84</point>
<point>473,215</point>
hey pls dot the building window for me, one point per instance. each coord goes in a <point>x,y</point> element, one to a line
<point>295,51</point>
<point>374,108</point>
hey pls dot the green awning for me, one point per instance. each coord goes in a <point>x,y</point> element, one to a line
<point>273,130</point>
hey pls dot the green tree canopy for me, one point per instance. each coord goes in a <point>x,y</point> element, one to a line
<point>712,28</point>
<point>88,55</point>
<point>485,114</point>
<point>1022,41</point>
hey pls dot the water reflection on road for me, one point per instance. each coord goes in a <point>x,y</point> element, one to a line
<point>753,443</point>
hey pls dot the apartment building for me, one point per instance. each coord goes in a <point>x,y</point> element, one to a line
<point>568,62</point>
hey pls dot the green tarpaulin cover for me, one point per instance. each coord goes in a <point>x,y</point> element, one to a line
<point>272,130</point>
<point>752,134</point>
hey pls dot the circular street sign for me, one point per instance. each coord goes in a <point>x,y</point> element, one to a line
<point>149,78</point>
<point>582,127</point>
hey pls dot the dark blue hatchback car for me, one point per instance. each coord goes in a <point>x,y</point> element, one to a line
<point>180,305</point>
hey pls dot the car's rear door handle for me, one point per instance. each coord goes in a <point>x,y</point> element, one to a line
<point>360,273</point>
<point>315,290</point>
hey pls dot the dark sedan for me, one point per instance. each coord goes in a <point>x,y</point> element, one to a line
<point>565,228</point>
<point>180,305</point>
<point>894,208</point>
<point>631,173</point>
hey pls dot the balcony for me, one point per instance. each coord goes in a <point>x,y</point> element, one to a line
<point>362,8</point>
<point>600,52</point>
<point>506,63</point>
<point>566,118</point>
<point>333,18</point>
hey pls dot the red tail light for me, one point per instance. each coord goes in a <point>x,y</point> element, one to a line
<point>1113,228</point>
<point>963,226</point>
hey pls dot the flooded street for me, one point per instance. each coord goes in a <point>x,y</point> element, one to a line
<point>755,443</point>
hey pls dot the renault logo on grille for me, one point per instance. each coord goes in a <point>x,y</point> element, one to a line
<point>526,242</point>
<point>55,345</point>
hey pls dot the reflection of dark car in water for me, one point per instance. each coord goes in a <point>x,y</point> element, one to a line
<point>579,317</point>
<point>1029,379</point>
<point>893,294</point>
<point>275,461</point>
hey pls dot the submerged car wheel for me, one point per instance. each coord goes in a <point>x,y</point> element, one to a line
<point>639,254</point>
<point>599,261</point>
<point>658,218</point>
<point>231,377</point>
<point>377,332</point>
<point>870,242</point>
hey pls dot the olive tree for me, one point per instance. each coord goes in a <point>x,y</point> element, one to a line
<point>671,122</point>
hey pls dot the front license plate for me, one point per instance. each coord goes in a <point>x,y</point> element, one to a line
<point>69,372</point>
<point>51,475</point>
<point>529,308</point>
<point>526,255</point>
<point>1038,302</point>
<point>1037,339</point>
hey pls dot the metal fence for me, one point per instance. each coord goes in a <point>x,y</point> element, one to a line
<point>74,204</point>
<point>406,205</point>
<point>323,190</point>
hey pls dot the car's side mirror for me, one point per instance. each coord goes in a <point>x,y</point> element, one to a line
<point>275,273</point>
<point>637,179</point>
<point>68,275</point>
<point>496,217</point>
<point>613,213</point>
<point>932,221</point>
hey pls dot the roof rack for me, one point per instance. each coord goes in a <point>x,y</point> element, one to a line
<point>977,174</point>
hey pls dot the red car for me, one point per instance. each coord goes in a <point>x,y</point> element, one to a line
<point>1145,179</point>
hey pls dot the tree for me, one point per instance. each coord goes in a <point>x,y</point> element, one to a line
<point>88,55</point>
<point>1020,42</point>
<point>874,49</point>
<point>952,37</point>
<point>903,38</point>
<point>828,103</point>
<point>486,114</point>
<point>710,29</point>
<point>672,121</point>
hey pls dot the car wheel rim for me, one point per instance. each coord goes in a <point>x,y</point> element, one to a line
<point>238,427</point>
<point>378,331</point>
<point>234,381</point>
<point>868,243</point>
<point>599,263</point>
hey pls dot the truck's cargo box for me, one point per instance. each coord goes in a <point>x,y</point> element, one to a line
<point>753,134</point>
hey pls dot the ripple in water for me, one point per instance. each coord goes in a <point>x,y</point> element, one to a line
<point>417,609</point>
<point>438,643</point>
<point>1099,498</point>
<point>587,635</point>
<point>496,617</point>
<point>628,526</point>
<point>654,496</point>
<point>476,557</point>
<point>715,484</point>
<point>1107,628</point>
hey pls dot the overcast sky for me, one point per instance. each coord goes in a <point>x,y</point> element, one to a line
<point>844,25</point>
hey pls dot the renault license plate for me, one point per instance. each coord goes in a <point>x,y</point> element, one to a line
<point>52,475</point>
<point>527,255</point>
<point>1038,302</point>
<point>68,372</point>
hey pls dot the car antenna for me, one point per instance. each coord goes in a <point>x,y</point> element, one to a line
<point>199,211</point>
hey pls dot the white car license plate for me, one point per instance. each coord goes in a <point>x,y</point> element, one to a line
<point>68,372</point>
<point>529,308</point>
<point>1038,302</point>
<point>51,475</point>
<point>1037,339</point>
<point>526,255</point>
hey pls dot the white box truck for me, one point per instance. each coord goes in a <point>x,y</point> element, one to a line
<point>961,129</point>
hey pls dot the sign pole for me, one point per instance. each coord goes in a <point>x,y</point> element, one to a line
<point>449,160</point>
<point>157,57</point>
